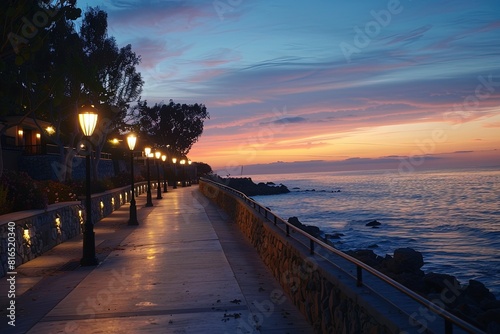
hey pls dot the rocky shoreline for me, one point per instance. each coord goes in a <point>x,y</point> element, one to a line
<point>472,302</point>
<point>250,188</point>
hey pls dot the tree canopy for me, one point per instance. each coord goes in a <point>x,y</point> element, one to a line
<point>48,69</point>
<point>174,125</point>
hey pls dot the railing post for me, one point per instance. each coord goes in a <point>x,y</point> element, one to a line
<point>311,246</point>
<point>287,230</point>
<point>275,220</point>
<point>448,327</point>
<point>359,281</point>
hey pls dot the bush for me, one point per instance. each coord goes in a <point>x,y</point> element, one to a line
<point>5,203</point>
<point>78,187</point>
<point>19,192</point>
<point>22,191</point>
<point>123,179</point>
<point>58,192</point>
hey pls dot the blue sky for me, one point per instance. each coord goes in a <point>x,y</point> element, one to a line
<point>323,80</point>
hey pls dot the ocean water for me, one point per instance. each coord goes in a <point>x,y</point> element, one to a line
<point>451,217</point>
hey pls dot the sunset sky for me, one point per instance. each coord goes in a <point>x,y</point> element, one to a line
<point>316,81</point>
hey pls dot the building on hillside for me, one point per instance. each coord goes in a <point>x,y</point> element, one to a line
<point>26,146</point>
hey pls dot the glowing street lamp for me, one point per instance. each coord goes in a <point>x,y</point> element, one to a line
<point>164,158</point>
<point>149,201</point>
<point>131,141</point>
<point>158,188</point>
<point>88,121</point>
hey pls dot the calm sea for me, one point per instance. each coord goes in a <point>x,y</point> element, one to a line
<point>452,217</point>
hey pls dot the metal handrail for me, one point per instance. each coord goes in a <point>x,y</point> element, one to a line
<point>54,150</point>
<point>449,319</point>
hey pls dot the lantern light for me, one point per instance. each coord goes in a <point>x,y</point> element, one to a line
<point>131,140</point>
<point>88,121</point>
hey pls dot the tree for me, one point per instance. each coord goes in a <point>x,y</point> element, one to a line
<point>113,80</point>
<point>203,169</point>
<point>26,80</point>
<point>48,71</point>
<point>174,125</point>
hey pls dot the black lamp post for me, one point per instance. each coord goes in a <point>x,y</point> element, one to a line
<point>183,172</point>
<point>158,188</point>
<point>174,160</point>
<point>131,140</point>
<point>164,158</point>
<point>149,200</point>
<point>88,121</point>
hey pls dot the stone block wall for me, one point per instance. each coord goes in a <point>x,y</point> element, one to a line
<point>331,302</point>
<point>37,231</point>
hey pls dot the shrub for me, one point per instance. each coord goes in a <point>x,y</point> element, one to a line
<point>22,191</point>
<point>5,203</point>
<point>58,192</point>
<point>78,187</point>
<point>123,179</point>
<point>19,192</point>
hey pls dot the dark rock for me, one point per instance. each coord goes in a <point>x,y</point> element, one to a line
<point>436,283</point>
<point>367,256</point>
<point>468,312</point>
<point>473,303</point>
<point>407,260</point>
<point>373,223</point>
<point>478,292</point>
<point>489,316</point>
<point>493,327</point>
<point>249,188</point>
<point>412,281</point>
<point>312,230</point>
<point>490,304</point>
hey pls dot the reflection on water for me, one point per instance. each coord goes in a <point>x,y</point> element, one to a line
<point>452,217</point>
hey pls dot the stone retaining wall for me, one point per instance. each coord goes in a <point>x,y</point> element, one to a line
<point>37,231</point>
<point>329,300</point>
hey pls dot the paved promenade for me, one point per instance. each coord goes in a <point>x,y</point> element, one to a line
<point>184,269</point>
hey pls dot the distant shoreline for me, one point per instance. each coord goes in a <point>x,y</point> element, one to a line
<point>393,164</point>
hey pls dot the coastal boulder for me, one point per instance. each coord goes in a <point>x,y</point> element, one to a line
<point>406,260</point>
<point>374,223</point>
<point>312,230</point>
<point>368,257</point>
<point>478,292</point>
<point>249,188</point>
<point>436,283</point>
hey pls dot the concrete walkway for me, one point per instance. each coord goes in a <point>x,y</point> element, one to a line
<point>184,269</point>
